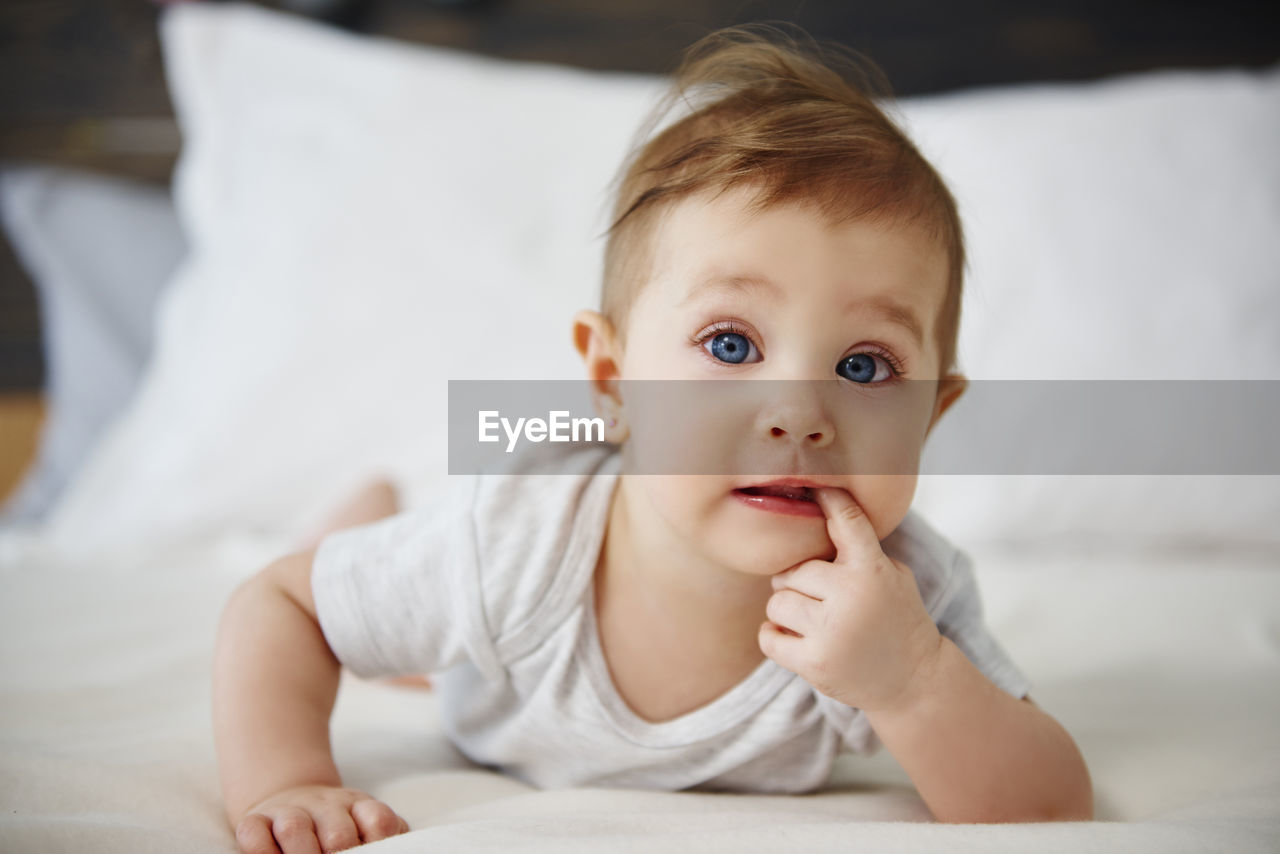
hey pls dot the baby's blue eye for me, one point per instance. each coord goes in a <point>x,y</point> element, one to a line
<point>730,347</point>
<point>862,368</point>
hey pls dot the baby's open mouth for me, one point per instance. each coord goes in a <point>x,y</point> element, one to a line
<point>796,493</point>
<point>784,499</point>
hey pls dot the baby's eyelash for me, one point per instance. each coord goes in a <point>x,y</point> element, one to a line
<point>898,366</point>
<point>721,327</point>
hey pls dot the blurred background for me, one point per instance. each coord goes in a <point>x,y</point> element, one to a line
<point>81,81</point>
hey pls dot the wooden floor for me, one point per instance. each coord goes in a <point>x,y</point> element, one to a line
<point>21,416</point>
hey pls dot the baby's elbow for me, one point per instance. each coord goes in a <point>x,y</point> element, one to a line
<point>1073,799</point>
<point>1075,805</point>
<point>1080,807</point>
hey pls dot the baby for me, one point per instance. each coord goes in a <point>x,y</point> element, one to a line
<point>725,631</point>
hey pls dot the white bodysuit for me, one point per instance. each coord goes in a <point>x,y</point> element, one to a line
<point>490,590</point>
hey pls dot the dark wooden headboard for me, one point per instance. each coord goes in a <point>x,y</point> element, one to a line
<point>83,85</point>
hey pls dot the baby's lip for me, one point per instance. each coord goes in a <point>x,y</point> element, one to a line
<point>803,482</point>
<point>797,488</point>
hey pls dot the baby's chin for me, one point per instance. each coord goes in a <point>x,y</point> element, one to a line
<point>766,555</point>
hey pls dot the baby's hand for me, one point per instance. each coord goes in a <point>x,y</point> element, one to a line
<point>854,628</point>
<point>315,818</point>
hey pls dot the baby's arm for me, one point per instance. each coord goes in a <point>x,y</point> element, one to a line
<point>857,630</point>
<point>274,684</point>
<point>976,754</point>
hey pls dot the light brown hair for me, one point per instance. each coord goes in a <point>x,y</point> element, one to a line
<point>769,107</point>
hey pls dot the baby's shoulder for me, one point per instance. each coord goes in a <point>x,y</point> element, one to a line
<point>538,530</point>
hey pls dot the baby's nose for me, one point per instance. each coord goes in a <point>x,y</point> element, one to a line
<point>796,412</point>
<point>805,426</point>
<point>817,438</point>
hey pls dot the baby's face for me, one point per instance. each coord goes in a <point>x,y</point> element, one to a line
<point>782,296</point>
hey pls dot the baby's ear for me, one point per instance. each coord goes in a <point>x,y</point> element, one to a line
<point>950,388</point>
<point>596,341</point>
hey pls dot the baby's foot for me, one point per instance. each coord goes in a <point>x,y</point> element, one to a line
<point>418,682</point>
<point>375,500</point>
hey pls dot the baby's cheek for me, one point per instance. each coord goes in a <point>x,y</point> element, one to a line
<point>885,498</point>
<point>678,499</point>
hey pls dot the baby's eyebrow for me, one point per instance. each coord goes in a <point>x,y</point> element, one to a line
<point>889,309</point>
<point>736,282</point>
<point>892,311</point>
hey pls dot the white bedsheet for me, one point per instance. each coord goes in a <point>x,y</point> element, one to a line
<point>1165,669</point>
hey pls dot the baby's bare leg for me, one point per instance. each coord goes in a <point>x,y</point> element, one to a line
<point>373,501</point>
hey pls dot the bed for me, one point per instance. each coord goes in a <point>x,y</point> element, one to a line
<point>314,302</point>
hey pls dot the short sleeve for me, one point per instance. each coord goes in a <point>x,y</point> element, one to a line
<point>481,575</point>
<point>959,618</point>
<point>399,596</point>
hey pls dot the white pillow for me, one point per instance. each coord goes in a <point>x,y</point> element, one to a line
<point>1119,230</point>
<point>98,250</point>
<point>370,219</point>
